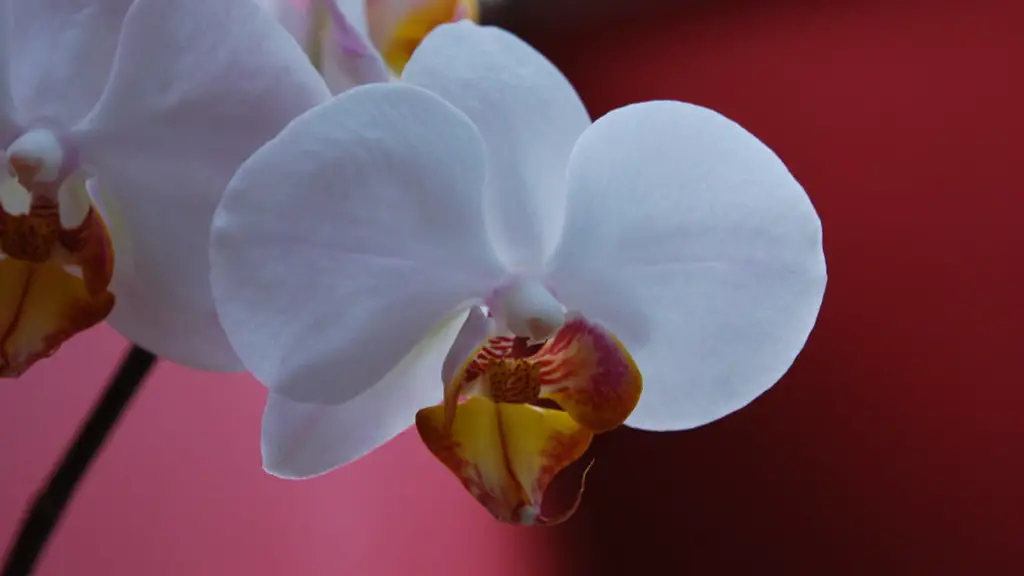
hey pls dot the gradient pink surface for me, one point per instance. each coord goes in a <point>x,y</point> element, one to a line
<point>180,489</point>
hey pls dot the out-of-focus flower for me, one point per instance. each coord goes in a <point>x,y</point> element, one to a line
<point>470,226</point>
<point>398,26</point>
<point>120,125</point>
<point>355,42</point>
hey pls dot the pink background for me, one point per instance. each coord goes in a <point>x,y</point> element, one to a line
<point>180,491</point>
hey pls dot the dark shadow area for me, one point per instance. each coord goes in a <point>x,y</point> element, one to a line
<point>572,22</point>
<point>893,446</point>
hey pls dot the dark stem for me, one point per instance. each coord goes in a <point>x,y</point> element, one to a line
<point>49,505</point>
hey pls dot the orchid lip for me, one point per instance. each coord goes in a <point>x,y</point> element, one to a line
<point>58,255</point>
<point>494,431</point>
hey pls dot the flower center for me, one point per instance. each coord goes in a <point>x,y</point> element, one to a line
<point>41,204</point>
<point>514,380</point>
<point>527,309</point>
<point>516,414</point>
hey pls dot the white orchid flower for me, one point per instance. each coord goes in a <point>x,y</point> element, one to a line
<point>121,123</point>
<point>469,225</point>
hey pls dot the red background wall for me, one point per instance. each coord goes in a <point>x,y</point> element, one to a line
<point>895,444</point>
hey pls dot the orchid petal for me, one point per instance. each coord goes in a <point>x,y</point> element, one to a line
<point>344,240</point>
<point>349,58</point>
<point>294,15</point>
<point>304,440</point>
<point>196,87</point>
<point>715,241</point>
<point>398,26</point>
<point>334,35</point>
<point>590,374</point>
<point>530,118</point>
<point>505,455</point>
<point>59,54</point>
<point>356,13</point>
<point>476,329</point>
<point>8,122</point>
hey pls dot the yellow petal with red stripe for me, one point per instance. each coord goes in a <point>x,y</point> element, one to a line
<point>590,374</point>
<point>467,380</point>
<point>398,26</point>
<point>506,455</point>
<point>42,303</point>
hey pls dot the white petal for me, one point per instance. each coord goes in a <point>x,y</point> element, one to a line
<point>530,118</point>
<point>355,13</point>
<point>349,58</point>
<point>196,87</point>
<point>334,34</point>
<point>686,231</point>
<point>294,15</point>
<point>347,238</point>
<point>477,328</point>
<point>304,440</point>
<point>59,55</point>
<point>187,335</point>
<point>8,122</point>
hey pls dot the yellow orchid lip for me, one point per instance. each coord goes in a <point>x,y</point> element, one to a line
<point>505,448</point>
<point>43,302</point>
<point>506,455</point>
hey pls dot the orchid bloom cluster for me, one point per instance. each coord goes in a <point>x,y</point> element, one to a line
<point>449,241</point>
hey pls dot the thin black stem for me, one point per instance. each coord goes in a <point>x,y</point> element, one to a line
<point>49,505</point>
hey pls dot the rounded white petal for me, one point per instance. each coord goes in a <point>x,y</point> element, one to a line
<point>196,87</point>
<point>59,54</point>
<point>691,241</point>
<point>530,118</point>
<point>303,440</point>
<point>341,243</point>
